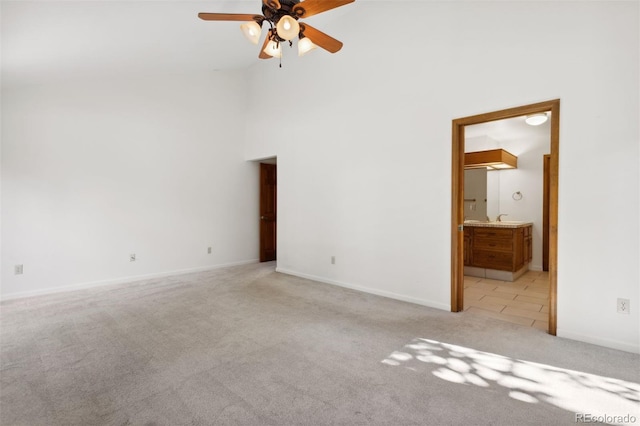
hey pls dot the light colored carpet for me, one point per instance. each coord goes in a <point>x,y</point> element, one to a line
<point>246,345</point>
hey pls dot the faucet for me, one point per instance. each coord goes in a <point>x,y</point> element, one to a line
<point>499,218</point>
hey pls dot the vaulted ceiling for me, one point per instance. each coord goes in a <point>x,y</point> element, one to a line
<point>52,40</point>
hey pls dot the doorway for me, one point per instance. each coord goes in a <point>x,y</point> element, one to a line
<point>268,211</point>
<point>457,210</point>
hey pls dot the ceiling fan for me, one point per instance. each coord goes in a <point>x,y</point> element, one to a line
<point>282,17</point>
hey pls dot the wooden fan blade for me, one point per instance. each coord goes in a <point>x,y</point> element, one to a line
<point>312,7</point>
<point>321,39</point>
<point>272,4</point>
<point>267,39</point>
<point>230,17</point>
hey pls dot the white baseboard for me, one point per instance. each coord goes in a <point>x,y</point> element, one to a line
<point>614,344</point>
<point>382,293</point>
<point>121,280</point>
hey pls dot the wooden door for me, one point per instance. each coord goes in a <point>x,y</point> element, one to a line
<point>268,211</point>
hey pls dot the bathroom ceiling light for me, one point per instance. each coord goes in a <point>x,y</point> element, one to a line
<point>493,159</point>
<point>536,119</point>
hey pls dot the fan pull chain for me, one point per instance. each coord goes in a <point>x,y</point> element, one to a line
<point>290,45</point>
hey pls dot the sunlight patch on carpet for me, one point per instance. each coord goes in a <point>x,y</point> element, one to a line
<point>521,380</point>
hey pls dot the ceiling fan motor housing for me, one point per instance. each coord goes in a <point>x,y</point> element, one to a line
<point>273,13</point>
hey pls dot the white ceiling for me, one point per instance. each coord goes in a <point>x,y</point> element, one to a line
<point>508,129</point>
<point>52,40</point>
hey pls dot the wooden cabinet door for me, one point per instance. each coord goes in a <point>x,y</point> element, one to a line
<point>518,248</point>
<point>528,244</point>
<point>468,237</point>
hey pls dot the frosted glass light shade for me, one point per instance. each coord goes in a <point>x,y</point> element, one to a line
<point>536,119</point>
<point>251,31</point>
<point>287,28</point>
<point>305,46</point>
<point>273,49</point>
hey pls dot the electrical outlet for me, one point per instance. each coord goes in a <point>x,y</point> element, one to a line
<point>623,306</point>
<point>132,257</point>
<point>209,250</point>
<point>18,270</point>
<point>333,260</point>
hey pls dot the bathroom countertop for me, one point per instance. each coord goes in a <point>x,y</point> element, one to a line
<point>503,224</point>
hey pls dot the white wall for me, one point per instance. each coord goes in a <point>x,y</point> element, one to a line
<point>94,171</point>
<point>364,149</point>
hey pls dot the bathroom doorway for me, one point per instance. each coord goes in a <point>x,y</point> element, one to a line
<point>458,202</point>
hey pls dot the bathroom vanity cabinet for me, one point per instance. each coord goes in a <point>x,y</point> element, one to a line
<point>497,246</point>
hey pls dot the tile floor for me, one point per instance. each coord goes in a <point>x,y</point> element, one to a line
<point>524,301</point>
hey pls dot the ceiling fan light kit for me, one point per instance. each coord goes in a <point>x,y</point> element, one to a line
<point>282,17</point>
<point>287,28</point>
<point>251,31</point>
<point>305,46</point>
<point>273,49</point>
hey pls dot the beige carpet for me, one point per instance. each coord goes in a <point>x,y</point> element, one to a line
<point>249,346</point>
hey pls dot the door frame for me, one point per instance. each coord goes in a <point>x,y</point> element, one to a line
<point>546,162</point>
<point>457,199</point>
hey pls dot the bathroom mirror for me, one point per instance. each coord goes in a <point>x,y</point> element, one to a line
<point>475,194</point>
<point>481,194</point>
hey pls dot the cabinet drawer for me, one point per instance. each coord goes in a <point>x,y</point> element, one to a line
<point>494,233</point>
<point>493,259</point>
<point>492,243</point>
